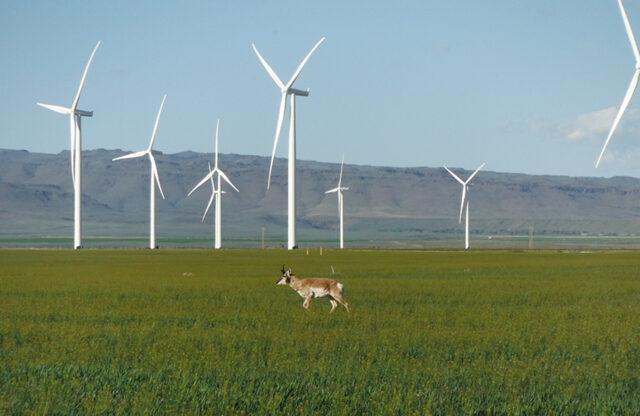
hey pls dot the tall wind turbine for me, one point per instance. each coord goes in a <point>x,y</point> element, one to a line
<point>216,192</point>
<point>465,188</point>
<point>632,86</point>
<point>339,189</point>
<point>154,178</point>
<point>287,89</point>
<point>75,151</point>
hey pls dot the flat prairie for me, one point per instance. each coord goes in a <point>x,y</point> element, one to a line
<point>209,332</point>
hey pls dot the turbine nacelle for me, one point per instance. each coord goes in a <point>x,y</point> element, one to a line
<point>65,110</point>
<point>341,189</point>
<point>84,113</point>
<point>298,92</point>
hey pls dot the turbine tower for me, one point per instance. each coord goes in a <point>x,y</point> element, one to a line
<point>339,189</point>
<point>75,118</point>
<point>216,192</point>
<point>154,177</point>
<point>632,85</point>
<point>287,89</point>
<point>465,188</point>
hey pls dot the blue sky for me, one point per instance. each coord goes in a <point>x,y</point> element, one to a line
<point>525,86</point>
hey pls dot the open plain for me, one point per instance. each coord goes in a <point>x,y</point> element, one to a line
<point>204,332</point>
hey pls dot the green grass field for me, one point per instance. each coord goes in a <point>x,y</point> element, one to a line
<point>204,332</point>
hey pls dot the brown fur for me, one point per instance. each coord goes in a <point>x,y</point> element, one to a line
<point>315,287</point>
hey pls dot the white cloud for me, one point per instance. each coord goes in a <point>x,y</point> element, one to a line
<point>589,125</point>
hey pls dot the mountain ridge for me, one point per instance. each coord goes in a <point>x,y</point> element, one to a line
<point>383,203</point>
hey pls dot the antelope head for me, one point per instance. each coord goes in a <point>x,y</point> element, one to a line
<point>286,277</point>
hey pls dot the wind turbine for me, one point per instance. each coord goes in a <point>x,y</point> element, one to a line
<point>632,85</point>
<point>339,189</point>
<point>465,188</point>
<point>287,89</point>
<point>154,176</point>
<point>75,151</point>
<point>216,192</point>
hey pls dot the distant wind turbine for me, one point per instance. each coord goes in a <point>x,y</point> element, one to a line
<point>465,188</point>
<point>287,89</point>
<point>632,85</point>
<point>339,189</point>
<point>75,117</point>
<point>216,192</point>
<point>154,179</point>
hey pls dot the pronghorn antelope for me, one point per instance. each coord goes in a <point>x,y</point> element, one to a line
<point>314,288</point>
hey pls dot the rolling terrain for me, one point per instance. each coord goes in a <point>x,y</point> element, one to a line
<point>384,204</point>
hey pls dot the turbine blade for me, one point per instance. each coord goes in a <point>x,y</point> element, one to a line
<point>154,169</point>
<point>131,155</point>
<point>330,191</point>
<point>56,108</point>
<point>84,76</point>
<point>271,72</point>
<point>213,196</point>
<point>222,174</point>
<point>155,126</point>
<point>303,63</point>
<point>283,107</point>
<point>623,107</point>
<point>206,178</point>
<point>213,183</point>
<point>341,166</point>
<point>474,173</point>
<point>464,196</point>
<point>632,38</point>
<point>454,175</point>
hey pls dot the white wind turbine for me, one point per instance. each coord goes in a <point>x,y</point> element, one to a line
<point>632,86</point>
<point>465,188</point>
<point>216,192</point>
<point>75,117</point>
<point>339,189</point>
<point>286,89</point>
<point>154,178</point>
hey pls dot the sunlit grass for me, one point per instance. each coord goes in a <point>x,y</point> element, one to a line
<point>204,332</point>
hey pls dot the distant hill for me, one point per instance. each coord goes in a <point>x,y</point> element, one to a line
<point>383,204</point>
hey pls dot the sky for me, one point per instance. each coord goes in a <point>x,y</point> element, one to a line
<point>527,86</point>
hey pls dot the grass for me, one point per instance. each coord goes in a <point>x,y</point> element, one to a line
<point>204,332</point>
